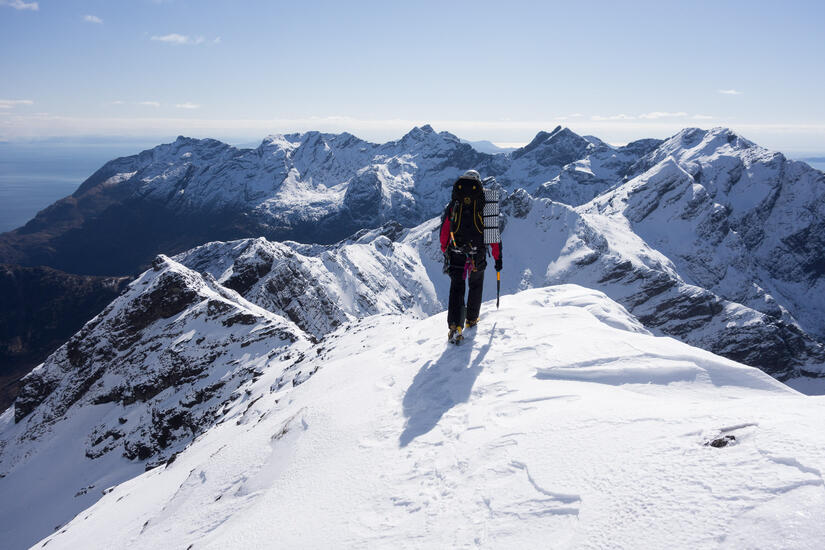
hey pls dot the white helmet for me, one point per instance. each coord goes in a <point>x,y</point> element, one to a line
<point>472,175</point>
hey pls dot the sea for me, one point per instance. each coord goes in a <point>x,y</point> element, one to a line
<point>34,175</point>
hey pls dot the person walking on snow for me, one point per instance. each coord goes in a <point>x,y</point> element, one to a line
<point>465,255</point>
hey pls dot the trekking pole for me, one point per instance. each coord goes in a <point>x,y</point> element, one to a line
<point>498,286</point>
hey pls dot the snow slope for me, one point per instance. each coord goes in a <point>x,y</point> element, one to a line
<point>548,243</point>
<point>131,389</point>
<point>562,422</point>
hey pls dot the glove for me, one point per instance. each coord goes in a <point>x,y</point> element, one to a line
<point>498,264</point>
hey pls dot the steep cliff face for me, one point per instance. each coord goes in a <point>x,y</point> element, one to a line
<point>163,358</point>
<point>158,367</point>
<point>735,219</point>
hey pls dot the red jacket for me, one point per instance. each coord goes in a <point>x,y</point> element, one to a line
<point>495,248</point>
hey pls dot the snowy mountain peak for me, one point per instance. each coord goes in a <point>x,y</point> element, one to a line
<point>557,148</point>
<point>427,135</point>
<point>693,143</point>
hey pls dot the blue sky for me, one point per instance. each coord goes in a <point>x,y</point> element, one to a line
<point>239,70</point>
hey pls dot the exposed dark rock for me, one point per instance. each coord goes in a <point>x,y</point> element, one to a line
<point>720,442</point>
<point>170,297</point>
<point>34,390</point>
<point>240,318</point>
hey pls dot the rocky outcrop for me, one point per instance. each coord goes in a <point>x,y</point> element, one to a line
<point>164,355</point>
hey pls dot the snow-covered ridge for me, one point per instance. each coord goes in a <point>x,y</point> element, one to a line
<point>736,219</point>
<point>321,287</point>
<point>558,412</point>
<point>158,367</point>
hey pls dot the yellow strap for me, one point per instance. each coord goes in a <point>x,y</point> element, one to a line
<point>475,219</point>
<point>498,275</point>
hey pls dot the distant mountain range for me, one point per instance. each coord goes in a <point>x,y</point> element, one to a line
<point>310,187</point>
<point>704,236</point>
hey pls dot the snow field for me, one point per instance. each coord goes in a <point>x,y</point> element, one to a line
<point>559,423</point>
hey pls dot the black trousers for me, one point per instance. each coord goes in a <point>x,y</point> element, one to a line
<point>456,310</point>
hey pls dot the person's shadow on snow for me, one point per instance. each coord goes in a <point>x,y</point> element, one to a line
<point>440,386</point>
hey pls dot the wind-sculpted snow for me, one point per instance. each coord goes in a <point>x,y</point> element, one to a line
<point>157,368</point>
<point>547,424</point>
<point>704,237</point>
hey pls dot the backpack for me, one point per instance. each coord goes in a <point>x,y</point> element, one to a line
<point>467,212</point>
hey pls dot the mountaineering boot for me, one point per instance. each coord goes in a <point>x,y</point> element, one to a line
<point>471,323</point>
<point>455,337</point>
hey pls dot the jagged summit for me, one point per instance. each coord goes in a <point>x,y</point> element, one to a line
<point>554,150</point>
<point>559,410</point>
<point>426,133</point>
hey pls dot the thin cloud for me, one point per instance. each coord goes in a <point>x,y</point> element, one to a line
<point>660,114</point>
<point>15,125</point>
<point>149,103</point>
<point>10,103</point>
<point>568,117</point>
<point>179,39</point>
<point>93,19</point>
<point>187,105</point>
<point>702,117</point>
<point>217,40</point>
<point>730,92</point>
<point>621,116</point>
<point>20,5</point>
<point>117,102</point>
